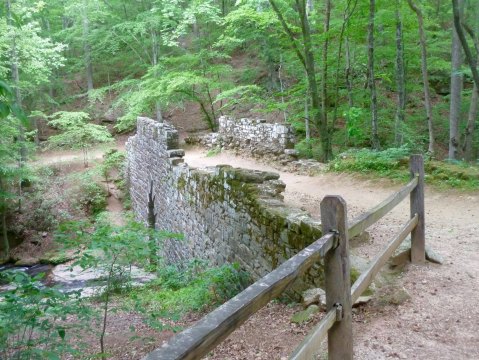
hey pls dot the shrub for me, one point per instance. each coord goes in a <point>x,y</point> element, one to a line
<point>32,319</point>
<point>192,287</point>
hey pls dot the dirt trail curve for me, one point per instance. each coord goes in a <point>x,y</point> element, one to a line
<point>441,319</point>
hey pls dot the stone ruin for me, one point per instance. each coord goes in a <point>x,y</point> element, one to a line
<point>226,214</point>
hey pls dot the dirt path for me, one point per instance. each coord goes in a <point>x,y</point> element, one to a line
<point>72,161</point>
<point>441,318</point>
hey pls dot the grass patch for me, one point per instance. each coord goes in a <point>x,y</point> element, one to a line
<point>213,151</point>
<point>194,287</point>
<point>393,163</point>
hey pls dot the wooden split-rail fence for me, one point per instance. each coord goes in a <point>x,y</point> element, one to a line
<point>333,247</point>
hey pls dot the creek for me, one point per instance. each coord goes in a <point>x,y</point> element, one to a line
<point>68,278</point>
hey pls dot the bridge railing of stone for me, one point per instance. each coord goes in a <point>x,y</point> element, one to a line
<point>333,247</point>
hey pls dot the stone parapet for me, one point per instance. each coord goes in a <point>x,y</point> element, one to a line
<point>226,214</point>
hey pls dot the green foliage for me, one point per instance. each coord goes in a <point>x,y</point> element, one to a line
<point>355,126</point>
<point>192,287</point>
<point>213,151</point>
<point>89,194</point>
<point>394,163</point>
<point>33,319</point>
<point>77,132</point>
<point>113,167</point>
<point>391,162</point>
<point>309,148</point>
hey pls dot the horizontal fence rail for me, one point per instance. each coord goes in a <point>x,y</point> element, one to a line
<point>199,339</point>
<point>333,247</point>
<point>308,348</point>
<point>366,278</point>
<point>367,219</point>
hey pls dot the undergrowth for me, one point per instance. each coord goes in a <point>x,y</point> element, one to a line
<point>193,287</point>
<point>393,163</point>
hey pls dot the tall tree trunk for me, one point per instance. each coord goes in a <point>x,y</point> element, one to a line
<point>155,54</point>
<point>471,120</point>
<point>458,10</point>
<point>324,69</point>
<point>348,75</point>
<point>425,77</point>
<point>400,79</point>
<point>309,65</point>
<point>281,85</point>
<point>313,87</point>
<point>3,208</point>
<point>468,147</point>
<point>86,46</point>
<point>456,92</point>
<point>371,78</point>
<point>6,243</point>
<point>18,100</point>
<point>348,12</point>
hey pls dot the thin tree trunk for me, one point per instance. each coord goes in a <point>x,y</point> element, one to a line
<point>468,147</point>
<point>18,100</point>
<point>313,87</point>
<point>324,69</point>
<point>456,92</point>
<point>105,309</point>
<point>306,119</point>
<point>6,243</point>
<point>458,9</point>
<point>309,6</point>
<point>348,12</point>
<point>155,51</point>
<point>281,85</point>
<point>87,47</point>
<point>349,81</point>
<point>425,76</point>
<point>400,79</point>
<point>309,65</point>
<point>371,78</point>
<point>471,119</point>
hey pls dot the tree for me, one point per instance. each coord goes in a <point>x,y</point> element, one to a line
<point>400,78</point>
<point>456,92</point>
<point>371,78</point>
<point>77,132</point>
<point>112,251</point>
<point>425,76</point>
<point>306,58</point>
<point>11,120</point>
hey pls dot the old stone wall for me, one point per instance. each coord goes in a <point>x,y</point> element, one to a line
<point>254,136</point>
<point>226,214</point>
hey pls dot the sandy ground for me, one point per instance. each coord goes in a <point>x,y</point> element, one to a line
<point>441,318</point>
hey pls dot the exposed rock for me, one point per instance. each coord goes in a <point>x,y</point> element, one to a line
<point>305,315</point>
<point>362,300</point>
<point>396,296</point>
<point>433,256</point>
<point>402,254</point>
<point>91,281</point>
<point>26,261</point>
<point>314,296</point>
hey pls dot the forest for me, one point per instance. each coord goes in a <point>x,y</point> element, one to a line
<point>364,84</point>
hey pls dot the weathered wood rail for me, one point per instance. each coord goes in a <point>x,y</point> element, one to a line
<point>333,247</point>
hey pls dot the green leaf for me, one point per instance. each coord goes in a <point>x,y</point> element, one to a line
<point>4,110</point>
<point>61,333</point>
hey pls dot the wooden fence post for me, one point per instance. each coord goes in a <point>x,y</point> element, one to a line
<point>418,240</point>
<point>337,278</point>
